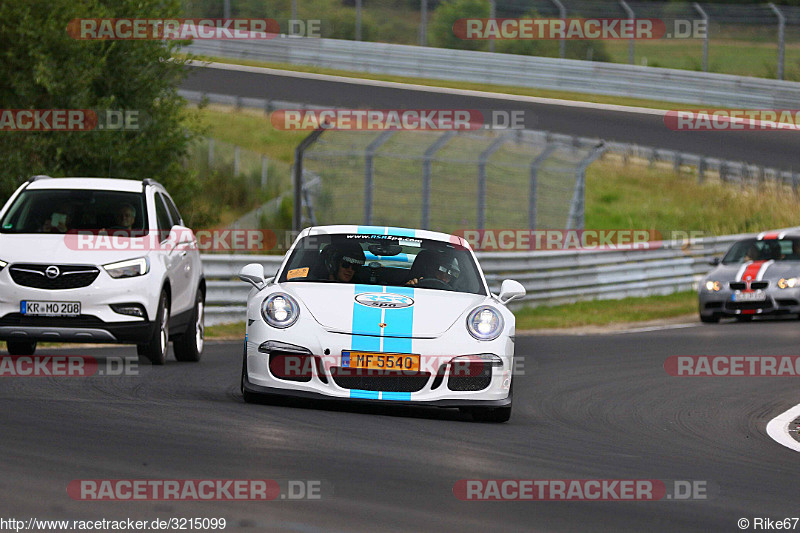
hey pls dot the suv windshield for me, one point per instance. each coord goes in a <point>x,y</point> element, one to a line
<point>62,210</point>
<point>787,249</point>
<point>383,260</point>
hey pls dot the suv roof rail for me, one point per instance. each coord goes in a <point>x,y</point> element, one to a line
<point>39,177</point>
<point>151,181</point>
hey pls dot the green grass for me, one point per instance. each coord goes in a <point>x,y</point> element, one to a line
<point>226,331</point>
<point>604,312</point>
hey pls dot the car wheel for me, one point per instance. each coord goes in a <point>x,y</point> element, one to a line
<point>21,347</point>
<point>156,348</point>
<point>494,414</point>
<point>248,396</point>
<point>711,319</point>
<point>188,347</point>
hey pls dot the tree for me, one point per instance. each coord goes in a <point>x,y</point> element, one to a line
<point>42,67</point>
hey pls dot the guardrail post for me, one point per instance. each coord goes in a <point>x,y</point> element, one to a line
<point>297,184</point>
<point>723,171</point>
<point>676,162</point>
<point>703,14</point>
<point>781,37</point>
<point>562,12</point>
<point>210,153</point>
<point>264,170</point>
<point>534,183</point>
<point>794,181</point>
<point>632,16</point>
<point>482,160</point>
<point>369,154</point>
<point>426,175</point>
<point>575,220</point>
<point>236,155</point>
<point>701,170</point>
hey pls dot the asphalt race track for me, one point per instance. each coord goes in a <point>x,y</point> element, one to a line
<point>777,149</point>
<point>587,407</point>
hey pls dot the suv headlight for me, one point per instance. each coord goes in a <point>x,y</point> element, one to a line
<point>280,310</point>
<point>485,323</point>
<point>129,268</point>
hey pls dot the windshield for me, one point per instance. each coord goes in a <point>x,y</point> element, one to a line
<point>383,260</point>
<point>63,210</point>
<point>787,249</point>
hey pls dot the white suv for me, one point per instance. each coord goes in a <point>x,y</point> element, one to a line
<point>99,260</point>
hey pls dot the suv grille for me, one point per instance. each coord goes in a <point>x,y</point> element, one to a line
<point>69,276</point>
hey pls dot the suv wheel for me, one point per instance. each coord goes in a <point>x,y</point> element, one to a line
<point>156,348</point>
<point>21,347</point>
<point>189,345</point>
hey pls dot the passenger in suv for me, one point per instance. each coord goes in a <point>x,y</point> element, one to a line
<point>68,280</point>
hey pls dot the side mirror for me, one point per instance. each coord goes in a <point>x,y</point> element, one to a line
<point>253,274</point>
<point>511,290</point>
<point>714,261</point>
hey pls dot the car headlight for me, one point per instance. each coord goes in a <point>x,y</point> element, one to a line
<point>280,310</point>
<point>713,286</point>
<point>485,323</point>
<point>129,268</point>
<point>787,283</point>
<point>2,265</point>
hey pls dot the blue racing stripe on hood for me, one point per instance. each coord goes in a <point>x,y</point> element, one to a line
<point>366,323</point>
<point>399,324</point>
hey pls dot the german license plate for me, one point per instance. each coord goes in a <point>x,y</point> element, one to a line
<point>40,308</point>
<point>380,361</point>
<point>756,296</point>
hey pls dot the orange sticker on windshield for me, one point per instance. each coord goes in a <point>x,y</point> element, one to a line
<point>297,273</point>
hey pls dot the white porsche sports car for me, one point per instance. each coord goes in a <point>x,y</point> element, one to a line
<point>369,313</point>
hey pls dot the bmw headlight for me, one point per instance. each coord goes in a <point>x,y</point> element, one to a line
<point>280,310</point>
<point>485,323</point>
<point>713,286</point>
<point>787,283</point>
<point>128,269</point>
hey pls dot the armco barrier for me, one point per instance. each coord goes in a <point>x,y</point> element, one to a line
<point>669,85</point>
<point>550,277</point>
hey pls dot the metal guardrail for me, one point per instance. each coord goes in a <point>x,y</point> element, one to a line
<point>670,85</point>
<point>550,277</point>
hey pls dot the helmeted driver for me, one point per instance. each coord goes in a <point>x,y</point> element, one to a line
<point>342,260</point>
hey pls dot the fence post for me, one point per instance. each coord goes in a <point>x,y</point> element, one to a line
<point>426,175</point>
<point>492,14</point>
<point>423,23</point>
<point>358,20</point>
<point>562,12</point>
<point>369,153</point>
<point>264,170</point>
<point>781,37</point>
<point>575,220</point>
<point>482,160</point>
<point>703,14</point>
<point>632,16</point>
<point>297,185</point>
<point>534,183</point>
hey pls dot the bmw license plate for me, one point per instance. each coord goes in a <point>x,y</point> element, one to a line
<point>755,296</point>
<point>380,361</point>
<point>40,308</point>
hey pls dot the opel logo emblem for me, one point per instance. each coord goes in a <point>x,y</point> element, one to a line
<point>52,272</point>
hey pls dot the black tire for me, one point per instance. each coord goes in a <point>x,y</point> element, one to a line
<point>249,397</point>
<point>156,347</point>
<point>188,346</point>
<point>713,319</point>
<point>21,347</point>
<point>494,414</point>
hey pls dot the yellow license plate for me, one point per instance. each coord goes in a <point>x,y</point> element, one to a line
<point>380,361</point>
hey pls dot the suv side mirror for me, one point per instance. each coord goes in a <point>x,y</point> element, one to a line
<point>510,290</point>
<point>714,261</point>
<point>253,274</point>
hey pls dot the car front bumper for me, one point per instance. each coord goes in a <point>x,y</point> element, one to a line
<point>777,301</point>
